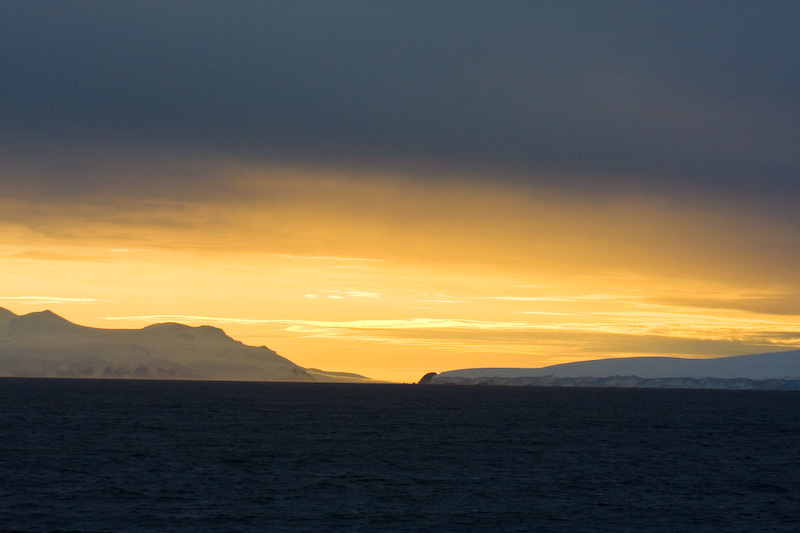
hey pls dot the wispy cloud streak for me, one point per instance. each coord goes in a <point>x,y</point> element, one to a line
<point>43,300</point>
<point>698,327</point>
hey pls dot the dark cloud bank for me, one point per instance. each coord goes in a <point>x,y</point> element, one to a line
<point>698,97</point>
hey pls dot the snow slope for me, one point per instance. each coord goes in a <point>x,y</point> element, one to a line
<point>44,344</point>
<point>722,372</point>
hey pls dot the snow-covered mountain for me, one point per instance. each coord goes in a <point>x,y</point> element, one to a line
<point>780,370</point>
<point>43,344</point>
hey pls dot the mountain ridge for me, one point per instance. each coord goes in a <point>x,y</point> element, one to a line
<point>44,344</point>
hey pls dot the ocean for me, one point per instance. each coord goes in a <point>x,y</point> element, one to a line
<point>106,455</point>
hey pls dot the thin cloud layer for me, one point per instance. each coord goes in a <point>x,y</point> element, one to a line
<point>46,300</point>
<point>651,333</point>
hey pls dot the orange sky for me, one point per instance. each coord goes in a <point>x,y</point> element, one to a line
<point>393,189</point>
<point>392,275</point>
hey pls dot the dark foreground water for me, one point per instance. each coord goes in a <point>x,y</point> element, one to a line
<point>191,456</point>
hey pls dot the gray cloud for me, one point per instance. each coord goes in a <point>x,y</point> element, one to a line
<point>694,97</point>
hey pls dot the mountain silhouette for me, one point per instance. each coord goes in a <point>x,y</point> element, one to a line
<point>43,344</point>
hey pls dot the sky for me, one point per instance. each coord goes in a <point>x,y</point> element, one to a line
<point>396,188</point>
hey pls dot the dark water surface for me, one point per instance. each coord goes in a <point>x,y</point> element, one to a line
<point>99,455</point>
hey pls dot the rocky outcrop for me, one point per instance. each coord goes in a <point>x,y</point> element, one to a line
<point>427,378</point>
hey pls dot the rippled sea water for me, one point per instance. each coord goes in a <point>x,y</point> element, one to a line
<point>96,455</point>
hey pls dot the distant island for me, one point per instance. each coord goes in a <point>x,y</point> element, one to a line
<point>43,344</point>
<point>766,371</point>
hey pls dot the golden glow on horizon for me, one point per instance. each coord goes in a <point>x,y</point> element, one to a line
<point>393,278</point>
